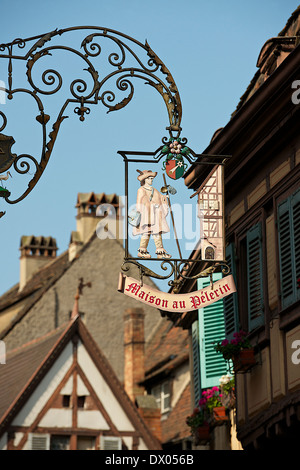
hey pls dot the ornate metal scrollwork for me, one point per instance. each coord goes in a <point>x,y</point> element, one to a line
<point>179,269</point>
<point>125,65</point>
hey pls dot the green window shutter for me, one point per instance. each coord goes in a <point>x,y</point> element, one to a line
<point>255,277</point>
<point>231,314</point>
<point>196,362</point>
<point>211,329</point>
<point>289,248</point>
<point>296,239</point>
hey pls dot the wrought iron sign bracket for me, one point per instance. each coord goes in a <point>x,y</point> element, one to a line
<point>129,60</point>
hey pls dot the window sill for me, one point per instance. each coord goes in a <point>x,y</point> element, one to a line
<point>289,316</point>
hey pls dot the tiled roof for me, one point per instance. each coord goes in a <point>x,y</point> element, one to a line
<point>35,287</point>
<point>165,351</point>
<point>25,367</point>
<point>167,345</point>
<point>21,364</point>
<point>292,28</point>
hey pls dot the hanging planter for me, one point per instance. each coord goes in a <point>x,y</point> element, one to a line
<point>227,387</point>
<point>199,426</point>
<point>202,434</point>
<point>244,360</point>
<point>239,350</point>
<point>219,414</point>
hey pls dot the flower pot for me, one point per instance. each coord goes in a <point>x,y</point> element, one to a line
<point>202,434</point>
<point>219,414</point>
<point>244,360</point>
<point>228,399</point>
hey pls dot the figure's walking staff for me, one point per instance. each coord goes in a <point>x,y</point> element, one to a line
<point>172,217</point>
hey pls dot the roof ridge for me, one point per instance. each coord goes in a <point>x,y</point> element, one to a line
<point>37,374</point>
<point>39,339</point>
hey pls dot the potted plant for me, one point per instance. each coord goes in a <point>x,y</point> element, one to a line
<point>239,350</point>
<point>212,405</point>
<point>199,426</point>
<point>227,386</point>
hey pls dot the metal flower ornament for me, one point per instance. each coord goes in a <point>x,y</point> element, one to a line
<point>174,165</point>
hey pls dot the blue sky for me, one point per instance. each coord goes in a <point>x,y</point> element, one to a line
<point>210,48</point>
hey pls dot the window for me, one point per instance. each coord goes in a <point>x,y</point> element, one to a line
<point>255,277</point>
<point>231,314</point>
<point>81,401</point>
<point>66,401</point>
<point>60,442</point>
<point>196,362</point>
<point>86,443</point>
<point>289,248</point>
<point>110,443</point>
<point>162,395</point>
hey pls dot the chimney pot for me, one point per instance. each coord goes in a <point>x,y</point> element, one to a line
<point>35,253</point>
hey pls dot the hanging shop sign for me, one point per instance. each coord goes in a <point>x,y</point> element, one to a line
<point>177,303</point>
<point>150,220</point>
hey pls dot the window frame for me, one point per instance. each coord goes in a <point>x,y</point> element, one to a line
<point>34,435</point>
<point>240,240</point>
<point>289,314</point>
<point>162,396</point>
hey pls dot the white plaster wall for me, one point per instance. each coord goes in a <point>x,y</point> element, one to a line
<point>68,388</point>
<point>91,419</point>
<point>18,437</point>
<point>107,398</point>
<point>56,418</point>
<point>45,389</point>
<point>180,382</point>
<point>81,388</point>
<point>128,441</point>
<point>142,445</point>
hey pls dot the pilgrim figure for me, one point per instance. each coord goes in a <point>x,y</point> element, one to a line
<point>153,207</point>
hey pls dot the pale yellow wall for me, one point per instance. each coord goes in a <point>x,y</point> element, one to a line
<point>259,384</point>
<point>277,360</point>
<point>240,398</point>
<point>30,265</point>
<point>257,193</point>
<point>8,316</point>
<point>279,172</point>
<point>236,212</point>
<point>235,443</point>
<point>293,358</point>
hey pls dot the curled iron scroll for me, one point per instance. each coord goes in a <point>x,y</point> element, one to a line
<point>126,65</point>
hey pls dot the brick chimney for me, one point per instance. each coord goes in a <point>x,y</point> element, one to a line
<point>134,350</point>
<point>35,253</point>
<point>134,370</point>
<point>151,414</point>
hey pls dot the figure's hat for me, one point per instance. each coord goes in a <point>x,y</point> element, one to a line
<point>145,174</point>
